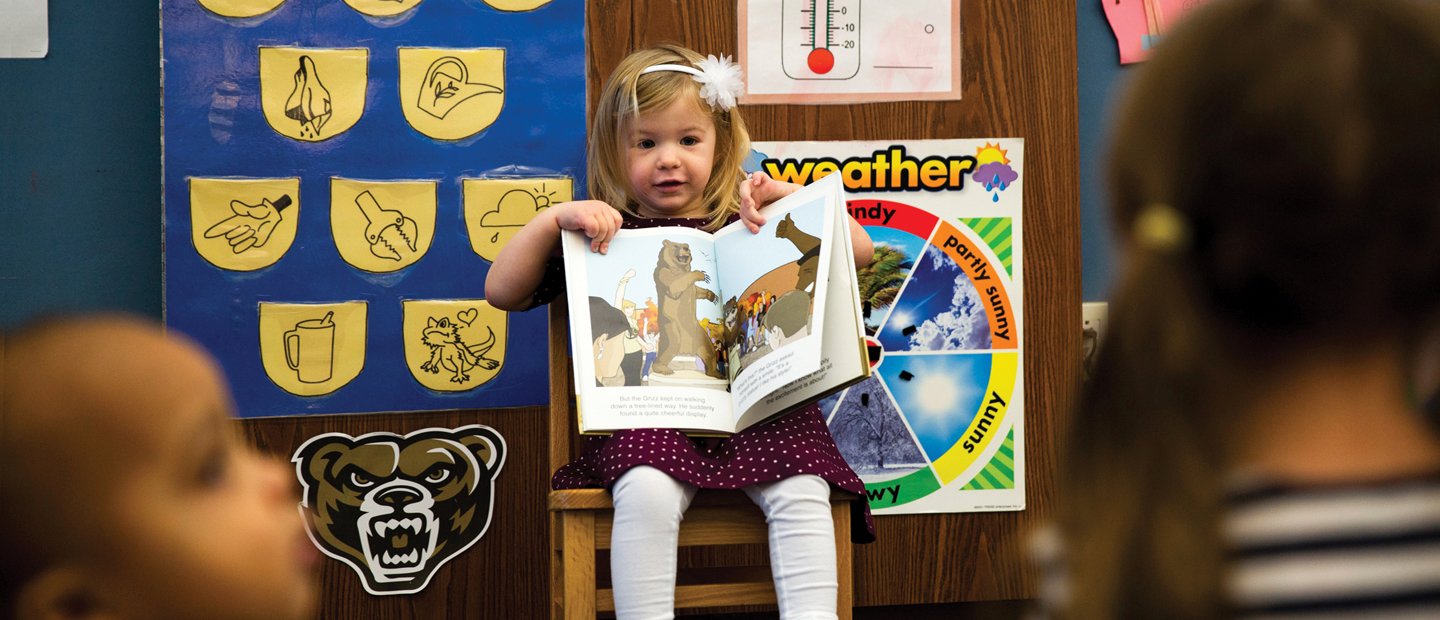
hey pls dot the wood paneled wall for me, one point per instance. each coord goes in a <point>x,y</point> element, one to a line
<point>1019,75</point>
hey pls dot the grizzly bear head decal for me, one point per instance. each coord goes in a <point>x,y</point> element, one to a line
<point>395,508</point>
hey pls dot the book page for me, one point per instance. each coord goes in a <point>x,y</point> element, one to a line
<point>843,358</point>
<point>772,280</point>
<point>646,331</point>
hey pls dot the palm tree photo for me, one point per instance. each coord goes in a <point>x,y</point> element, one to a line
<point>879,283</point>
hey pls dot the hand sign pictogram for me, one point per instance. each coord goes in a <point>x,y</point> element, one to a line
<point>251,225</point>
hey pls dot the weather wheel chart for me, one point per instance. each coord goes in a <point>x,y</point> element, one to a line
<point>939,425</point>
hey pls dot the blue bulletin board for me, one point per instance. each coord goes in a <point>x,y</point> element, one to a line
<point>338,177</point>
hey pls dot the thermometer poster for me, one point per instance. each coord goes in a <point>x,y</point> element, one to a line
<point>844,51</point>
<point>939,426</point>
<point>338,177</point>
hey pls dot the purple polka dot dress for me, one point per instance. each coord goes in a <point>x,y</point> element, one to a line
<point>797,443</point>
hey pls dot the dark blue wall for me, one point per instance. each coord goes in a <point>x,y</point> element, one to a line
<point>1100,76</point>
<point>80,161</point>
<point>80,165</point>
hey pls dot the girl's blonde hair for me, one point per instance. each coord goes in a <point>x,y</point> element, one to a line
<point>628,94</point>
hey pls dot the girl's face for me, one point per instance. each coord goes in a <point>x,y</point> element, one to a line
<point>669,154</point>
<point>205,527</point>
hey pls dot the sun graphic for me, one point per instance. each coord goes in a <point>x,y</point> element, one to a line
<point>940,392</point>
<point>991,153</point>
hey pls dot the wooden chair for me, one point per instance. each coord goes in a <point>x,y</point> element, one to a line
<point>580,522</point>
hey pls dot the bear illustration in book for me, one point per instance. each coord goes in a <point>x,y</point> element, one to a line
<point>809,247</point>
<point>679,288</point>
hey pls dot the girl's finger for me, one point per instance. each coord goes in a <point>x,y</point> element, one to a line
<point>595,229</point>
<point>604,237</point>
<point>608,224</point>
<point>750,203</point>
<point>755,221</point>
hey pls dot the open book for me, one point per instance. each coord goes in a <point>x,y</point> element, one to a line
<point>713,332</point>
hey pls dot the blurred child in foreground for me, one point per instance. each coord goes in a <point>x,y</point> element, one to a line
<point>1260,435</point>
<point>125,489</point>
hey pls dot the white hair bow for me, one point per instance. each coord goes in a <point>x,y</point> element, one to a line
<point>719,78</point>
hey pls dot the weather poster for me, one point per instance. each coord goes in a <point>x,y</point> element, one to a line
<point>939,426</point>
<point>339,178</point>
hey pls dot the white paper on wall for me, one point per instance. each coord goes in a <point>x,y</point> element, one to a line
<point>24,28</point>
<point>840,51</point>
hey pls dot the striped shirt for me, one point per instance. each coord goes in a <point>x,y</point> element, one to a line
<point>1342,551</point>
<point>1316,552</point>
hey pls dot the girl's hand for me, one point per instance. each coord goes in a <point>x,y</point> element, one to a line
<point>757,191</point>
<point>599,221</point>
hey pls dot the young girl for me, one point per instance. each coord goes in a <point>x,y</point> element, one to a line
<point>665,150</point>
<point>1260,436</point>
<point>125,490</point>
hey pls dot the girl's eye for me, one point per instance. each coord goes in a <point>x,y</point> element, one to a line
<point>361,480</point>
<point>214,470</point>
<point>437,475</point>
<point>646,144</point>
<point>690,141</point>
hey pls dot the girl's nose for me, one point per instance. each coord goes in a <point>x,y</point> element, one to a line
<point>276,479</point>
<point>667,158</point>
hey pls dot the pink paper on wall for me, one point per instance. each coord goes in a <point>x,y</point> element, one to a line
<point>1139,24</point>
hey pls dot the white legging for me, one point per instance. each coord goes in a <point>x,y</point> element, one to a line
<point>649,505</point>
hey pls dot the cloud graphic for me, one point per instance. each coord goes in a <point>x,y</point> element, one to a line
<point>963,327</point>
<point>516,208</point>
<point>940,263</point>
<point>995,175</point>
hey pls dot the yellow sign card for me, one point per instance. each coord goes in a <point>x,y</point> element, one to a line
<point>495,209</point>
<point>240,8</point>
<point>451,94</point>
<point>382,226</point>
<point>517,5</point>
<point>382,8</point>
<point>313,94</point>
<point>454,345</point>
<point>243,224</point>
<point>312,349</point>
